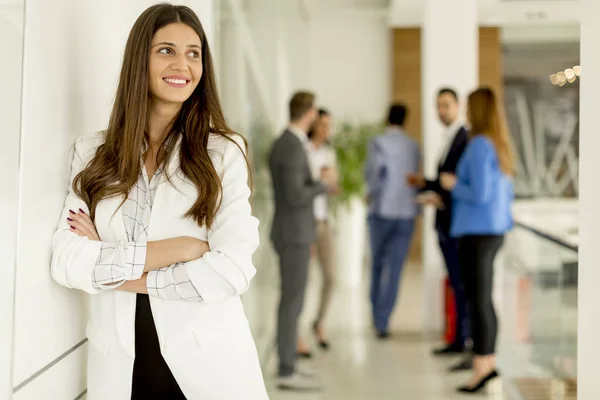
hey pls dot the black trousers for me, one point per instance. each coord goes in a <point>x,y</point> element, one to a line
<point>449,247</point>
<point>476,255</point>
<point>152,378</point>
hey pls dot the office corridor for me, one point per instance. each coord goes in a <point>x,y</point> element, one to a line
<point>359,366</point>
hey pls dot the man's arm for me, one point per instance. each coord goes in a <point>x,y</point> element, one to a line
<point>374,169</point>
<point>298,188</point>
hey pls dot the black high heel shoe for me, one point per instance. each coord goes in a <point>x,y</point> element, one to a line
<point>480,385</point>
<point>324,344</point>
<point>304,354</point>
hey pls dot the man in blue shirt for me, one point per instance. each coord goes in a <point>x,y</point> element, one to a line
<point>392,211</point>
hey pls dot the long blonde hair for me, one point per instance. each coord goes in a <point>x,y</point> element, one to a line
<point>487,119</point>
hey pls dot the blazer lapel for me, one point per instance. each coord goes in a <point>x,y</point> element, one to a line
<point>451,150</point>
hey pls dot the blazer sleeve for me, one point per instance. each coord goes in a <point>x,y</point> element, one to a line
<point>227,269</point>
<point>74,258</point>
<point>480,161</point>
<point>374,169</point>
<point>298,191</point>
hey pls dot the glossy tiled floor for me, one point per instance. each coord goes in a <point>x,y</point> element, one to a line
<point>359,367</point>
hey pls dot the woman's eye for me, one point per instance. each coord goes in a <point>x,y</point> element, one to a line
<point>165,51</point>
<point>194,54</point>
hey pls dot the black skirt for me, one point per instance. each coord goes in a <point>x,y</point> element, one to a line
<point>152,378</point>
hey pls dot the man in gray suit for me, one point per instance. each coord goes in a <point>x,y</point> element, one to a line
<point>293,230</point>
<point>392,212</point>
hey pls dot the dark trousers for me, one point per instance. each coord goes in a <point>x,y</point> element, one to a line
<point>449,247</point>
<point>152,378</point>
<point>476,257</point>
<point>293,265</point>
<point>390,242</point>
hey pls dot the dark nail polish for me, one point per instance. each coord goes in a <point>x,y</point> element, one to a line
<point>72,212</point>
<point>69,219</point>
<point>72,227</point>
<point>81,211</point>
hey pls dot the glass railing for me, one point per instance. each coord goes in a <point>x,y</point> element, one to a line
<point>538,314</point>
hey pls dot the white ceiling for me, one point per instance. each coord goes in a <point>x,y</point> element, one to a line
<point>539,59</point>
<point>497,12</point>
<point>404,13</point>
<point>351,3</point>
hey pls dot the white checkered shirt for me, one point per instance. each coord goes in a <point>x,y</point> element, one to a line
<point>120,262</point>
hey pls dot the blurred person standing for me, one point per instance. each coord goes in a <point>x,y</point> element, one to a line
<point>482,192</point>
<point>392,211</point>
<point>321,155</point>
<point>293,231</point>
<point>452,148</point>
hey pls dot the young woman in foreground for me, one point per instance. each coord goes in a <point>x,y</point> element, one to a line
<point>157,225</point>
<point>482,193</point>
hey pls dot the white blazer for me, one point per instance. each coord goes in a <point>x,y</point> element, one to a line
<point>207,345</point>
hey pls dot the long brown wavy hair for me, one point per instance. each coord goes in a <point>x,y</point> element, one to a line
<point>487,119</point>
<point>116,166</point>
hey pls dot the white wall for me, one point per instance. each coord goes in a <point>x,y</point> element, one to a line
<point>343,56</point>
<point>11,41</point>
<point>73,53</point>
<point>350,64</point>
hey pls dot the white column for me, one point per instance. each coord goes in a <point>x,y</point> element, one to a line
<point>589,209</point>
<point>450,55</point>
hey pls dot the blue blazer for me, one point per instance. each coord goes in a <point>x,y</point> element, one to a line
<point>483,194</point>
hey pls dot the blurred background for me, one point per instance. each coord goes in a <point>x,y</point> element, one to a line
<point>58,75</point>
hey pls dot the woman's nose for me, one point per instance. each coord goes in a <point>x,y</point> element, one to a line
<point>180,63</point>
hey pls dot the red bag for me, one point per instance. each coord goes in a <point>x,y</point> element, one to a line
<point>450,313</point>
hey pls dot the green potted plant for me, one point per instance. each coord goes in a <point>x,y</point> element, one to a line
<point>351,146</point>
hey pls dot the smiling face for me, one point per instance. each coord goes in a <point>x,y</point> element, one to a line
<point>175,63</point>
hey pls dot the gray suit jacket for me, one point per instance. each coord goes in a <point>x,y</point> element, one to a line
<point>295,190</point>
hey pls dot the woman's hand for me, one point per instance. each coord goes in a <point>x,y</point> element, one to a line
<point>82,224</point>
<point>137,286</point>
<point>448,180</point>
<point>430,199</point>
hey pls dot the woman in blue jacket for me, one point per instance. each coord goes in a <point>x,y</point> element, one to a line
<point>482,193</point>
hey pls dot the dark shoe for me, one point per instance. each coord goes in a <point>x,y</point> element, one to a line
<point>465,365</point>
<point>324,344</point>
<point>451,350</point>
<point>480,385</point>
<point>383,335</point>
<point>304,354</point>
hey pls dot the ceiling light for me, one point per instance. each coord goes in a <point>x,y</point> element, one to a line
<point>570,74</point>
